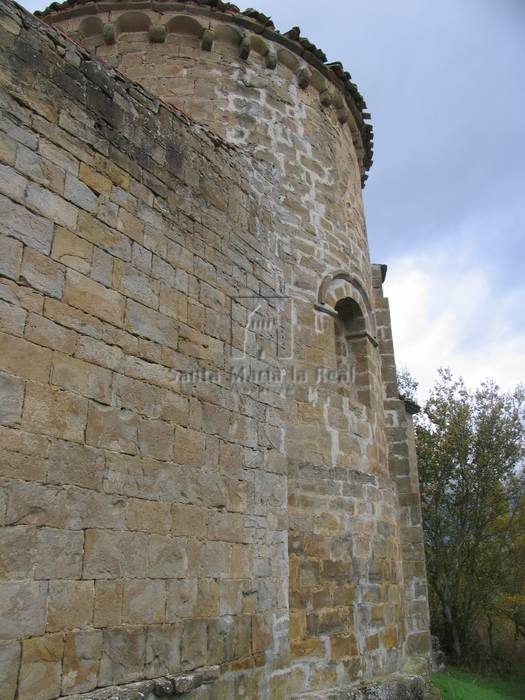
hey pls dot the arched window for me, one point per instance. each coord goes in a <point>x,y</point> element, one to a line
<point>352,341</point>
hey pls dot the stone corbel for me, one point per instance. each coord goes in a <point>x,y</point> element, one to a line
<point>157,34</point>
<point>304,77</point>
<point>343,116</point>
<point>245,47</point>
<point>208,38</point>
<point>271,58</point>
<point>109,34</point>
<point>326,98</point>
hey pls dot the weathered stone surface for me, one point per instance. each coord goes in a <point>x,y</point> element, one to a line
<point>81,378</point>
<point>148,516</point>
<point>144,602</point>
<point>24,359</point>
<point>80,194</point>
<point>12,393</point>
<point>108,603</point>
<point>156,439</point>
<point>59,554</point>
<point>31,229</point>
<point>123,656</point>
<point>12,319</point>
<point>150,324</point>
<point>43,274</point>
<point>71,250</point>
<point>82,653</point>
<point>22,609</point>
<point>95,231</point>
<point>110,555</point>
<point>11,183</point>
<point>70,463</point>
<point>22,455</point>
<point>17,552</point>
<point>10,664</point>
<point>70,605</point>
<point>93,298</point>
<point>41,667</point>
<point>47,204</point>
<point>53,412</point>
<point>112,428</point>
<point>10,257</point>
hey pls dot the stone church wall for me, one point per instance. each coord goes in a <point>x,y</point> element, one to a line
<point>162,521</point>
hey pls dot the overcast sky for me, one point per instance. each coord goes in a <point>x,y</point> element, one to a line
<point>445,83</point>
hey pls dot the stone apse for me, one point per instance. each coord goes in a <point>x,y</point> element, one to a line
<point>208,479</point>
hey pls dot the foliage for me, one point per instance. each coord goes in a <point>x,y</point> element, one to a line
<point>407,385</point>
<point>459,685</point>
<point>470,448</point>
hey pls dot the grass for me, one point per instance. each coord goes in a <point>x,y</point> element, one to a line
<point>461,685</point>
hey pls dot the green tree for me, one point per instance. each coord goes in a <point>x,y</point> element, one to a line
<point>470,448</point>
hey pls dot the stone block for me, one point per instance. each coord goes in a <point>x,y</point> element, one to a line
<point>130,225</point>
<point>208,598</point>
<point>40,169</point>
<point>189,447</point>
<point>51,206</point>
<point>227,527</point>
<point>108,603</point>
<point>81,378</point>
<point>102,267</point>
<point>17,552</point>
<point>189,520</point>
<point>150,324</point>
<point>138,396</point>
<point>10,655</point>
<point>82,654</point>
<point>123,656</point>
<point>42,331</point>
<point>135,284</point>
<point>156,439</point>
<point>71,250</point>
<point>162,650</point>
<point>166,557</point>
<point>10,257</point>
<point>173,303</point>
<point>7,149</point>
<point>94,180</point>
<point>174,408</point>
<point>12,184</point>
<point>12,319</point>
<point>12,393</point>
<point>22,455</point>
<point>99,353</point>
<point>53,412</point>
<point>41,667</point>
<point>93,298</point>
<point>181,599</point>
<point>80,194</point>
<point>144,602</point>
<point>59,156</point>
<point>209,559</point>
<point>59,554</point>
<point>22,609</point>
<point>111,554</point>
<point>112,428</point>
<point>194,644</point>
<point>153,517</point>
<point>18,356</point>
<point>94,231</point>
<point>70,605</point>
